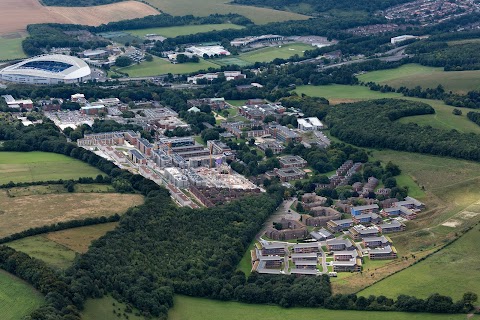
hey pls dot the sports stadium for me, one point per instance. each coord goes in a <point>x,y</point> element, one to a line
<point>47,69</point>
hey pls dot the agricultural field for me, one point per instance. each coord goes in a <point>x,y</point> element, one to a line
<point>17,14</point>
<point>412,75</point>
<point>11,47</point>
<point>442,119</point>
<point>188,308</point>
<point>451,271</point>
<point>24,212</point>
<point>160,66</point>
<point>270,53</point>
<point>17,298</point>
<point>207,7</point>
<point>41,166</point>
<point>171,32</point>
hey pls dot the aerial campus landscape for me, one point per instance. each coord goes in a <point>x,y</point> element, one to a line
<point>251,159</point>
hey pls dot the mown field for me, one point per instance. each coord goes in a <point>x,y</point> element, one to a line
<point>170,32</point>
<point>11,48</point>
<point>41,166</point>
<point>38,209</point>
<point>188,308</point>
<point>207,7</point>
<point>412,75</point>
<point>270,53</point>
<point>442,119</point>
<point>17,298</point>
<point>160,66</point>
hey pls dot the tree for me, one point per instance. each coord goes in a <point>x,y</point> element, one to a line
<point>469,299</point>
<point>457,112</point>
<point>210,134</point>
<point>148,57</point>
<point>123,61</point>
<point>393,169</point>
<point>268,153</point>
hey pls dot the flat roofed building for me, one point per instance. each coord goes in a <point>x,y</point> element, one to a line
<point>310,124</point>
<point>383,253</point>
<point>306,264</point>
<point>292,162</point>
<point>312,272</point>
<point>321,235</point>
<point>274,248</point>
<point>306,247</point>
<point>136,157</point>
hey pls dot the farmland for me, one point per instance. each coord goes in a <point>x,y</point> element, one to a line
<point>11,47</point>
<point>187,308</point>
<point>160,66</point>
<point>443,117</point>
<point>24,212</point>
<point>17,14</point>
<point>412,75</point>
<point>171,32</point>
<point>207,7</point>
<point>271,53</point>
<point>41,166</point>
<point>17,298</point>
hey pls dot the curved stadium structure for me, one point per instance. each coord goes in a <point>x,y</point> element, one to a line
<point>47,69</point>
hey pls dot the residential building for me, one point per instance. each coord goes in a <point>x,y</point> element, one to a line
<point>290,161</point>
<point>383,253</point>
<point>374,242</point>
<point>291,229</point>
<point>321,235</point>
<point>308,247</point>
<point>355,211</point>
<point>284,134</point>
<point>347,266</point>
<point>359,232</point>
<point>144,146</point>
<point>345,255</point>
<point>274,248</point>
<point>136,157</point>
<point>339,225</point>
<point>340,245</point>
<point>367,218</point>
<point>393,226</point>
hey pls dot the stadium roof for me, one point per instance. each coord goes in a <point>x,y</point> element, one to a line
<point>50,66</point>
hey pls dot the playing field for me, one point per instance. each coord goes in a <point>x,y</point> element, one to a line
<point>412,75</point>
<point>11,48</point>
<point>232,60</point>
<point>23,212</point>
<point>170,32</point>
<point>442,119</point>
<point>208,7</point>
<point>17,298</point>
<point>271,53</point>
<point>188,308</point>
<point>41,166</point>
<point>161,66</point>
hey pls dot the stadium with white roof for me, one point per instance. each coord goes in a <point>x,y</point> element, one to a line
<point>47,69</point>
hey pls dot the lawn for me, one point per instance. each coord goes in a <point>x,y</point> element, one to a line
<point>236,103</point>
<point>24,212</point>
<point>170,32</point>
<point>270,53</point>
<point>245,264</point>
<point>17,298</point>
<point>208,7</point>
<point>443,118</point>
<point>107,308</point>
<point>11,48</point>
<point>451,271</point>
<point>41,166</point>
<point>46,250</point>
<point>188,308</point>
<point>161,66</point>
<point>412,75</point>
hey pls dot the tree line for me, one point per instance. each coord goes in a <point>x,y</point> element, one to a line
<point>474,117</point>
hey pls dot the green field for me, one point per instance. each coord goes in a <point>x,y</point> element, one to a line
<point>11,48</point>
<point>41,166</point>
<point>17,298</point>
<point>208,7</point>
<point>231,61</point>
<point>170,32</point>
<point>107,308</point>
<point>46,250</point>
<point>270,53</point>
<point>412,75</point>
<point>442,119</point>
<point>161,66</point>
<point>451,271</point>
<point>187,308</point>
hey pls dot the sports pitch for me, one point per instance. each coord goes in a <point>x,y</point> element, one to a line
<point>161,66</point>
<point>271,53</point>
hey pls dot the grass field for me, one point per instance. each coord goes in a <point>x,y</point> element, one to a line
<point>24,212</point>
<point>208,7</point>
<point>17,298</point>
<point>231,61</point>
<point>187,308</point>
<point>11,48</point>
<point>40,166</point>
<point>452,271</point>
<point>442,119</point>
<point>170,32</point>
<point>160,66</point>
<point>412,75</point>
<point>271,53</point>
<point>107,308</point>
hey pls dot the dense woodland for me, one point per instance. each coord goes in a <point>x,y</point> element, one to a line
<point>474,117</point>
<point>77,3</point>
<point>451,58</point>
<point>372,124</point>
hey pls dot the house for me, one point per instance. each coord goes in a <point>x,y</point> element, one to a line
<point>393,226</point>
<point>359,232</point>
<point>383,253</point>
<point>321,235</point>
<point>309,247</point>
<point>339,225</point>
<point>355,211</point>
<point>367,218</point>
<point>374,242</point>
<point>340,245</point>
<point>274,248</point>
<point>347,266</point>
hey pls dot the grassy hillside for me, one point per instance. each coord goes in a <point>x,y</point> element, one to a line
<point>17,298</point>
<point>11,48</point>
